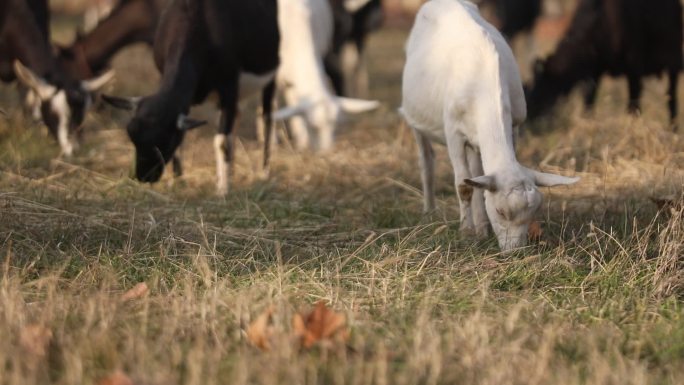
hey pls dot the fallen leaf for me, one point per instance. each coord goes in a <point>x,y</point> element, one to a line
<point>137,291</point>
<point>260,330</point>
<point>321,324</point>
<point>116,378</point>
<point>35,339</point>
<point>534,231</point>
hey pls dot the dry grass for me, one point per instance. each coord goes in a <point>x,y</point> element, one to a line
<point>598,301</point>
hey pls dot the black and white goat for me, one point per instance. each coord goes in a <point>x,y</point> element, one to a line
<point>26,55</point>
<point>201,46</point>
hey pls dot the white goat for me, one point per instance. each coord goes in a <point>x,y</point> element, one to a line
<point>306,35</point>
<point>461,87</point>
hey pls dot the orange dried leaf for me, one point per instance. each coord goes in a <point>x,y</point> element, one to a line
<point>116,378</point>
<point>321,324</point>
<point>534,231</point>
<point>137,291</point>
<point>260,330</point>
<point>35,339</point>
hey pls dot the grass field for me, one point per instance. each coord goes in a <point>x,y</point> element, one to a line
<point>598,301</point>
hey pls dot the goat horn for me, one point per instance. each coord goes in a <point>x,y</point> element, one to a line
<point>129,104</point>
<point>186,124</point>
<point>33,81</point>
<point>94,84</point>
<point>288,112</point>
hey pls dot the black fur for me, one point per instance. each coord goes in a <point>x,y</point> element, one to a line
<point>618,37</point>
<point>350,28</point>
<point>201,46</point>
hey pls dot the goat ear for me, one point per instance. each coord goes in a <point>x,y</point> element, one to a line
<point>356,106</point>
<point>485,182</point>
<point>543,179</point>
<point>186,124</point>
<point>94,84</point>
<point>34,82</point>
<point>128,104</point>
<point>288,112</point>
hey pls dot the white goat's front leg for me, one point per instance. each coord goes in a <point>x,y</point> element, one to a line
<point>480,219</point>
<point>223,149</point>
<point>426,159</point>
<point>297,125</point>
<point>456,146</point>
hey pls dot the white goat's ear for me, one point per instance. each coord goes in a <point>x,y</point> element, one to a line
<point>128,104</point>
<point>356,106</point>
<point>186,124</point>
<point>288,112</point>
<point>94,84</point>
<point>543,179</point>
<point>485,182</point>
<point>44,90</point>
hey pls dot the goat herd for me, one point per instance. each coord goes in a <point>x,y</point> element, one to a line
<point>461,85</point>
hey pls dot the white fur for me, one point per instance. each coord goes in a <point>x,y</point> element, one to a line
<point>60,107</point>
<point>354,69</point>
<point>94,84</point>
<point>32,103</point>
<point>461,87</point>
<point>306,35</point>
<point>96,13</point>
<point>354,5</point>
<point>222,165</point>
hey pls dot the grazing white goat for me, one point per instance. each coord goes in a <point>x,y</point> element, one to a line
<point>461,87</point>
<point>306,35</point>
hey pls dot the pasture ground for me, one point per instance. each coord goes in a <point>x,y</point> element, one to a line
<point>597,301</point>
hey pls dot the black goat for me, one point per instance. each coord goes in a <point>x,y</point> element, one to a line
<point>617,37</point>
<point>201,46</point>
